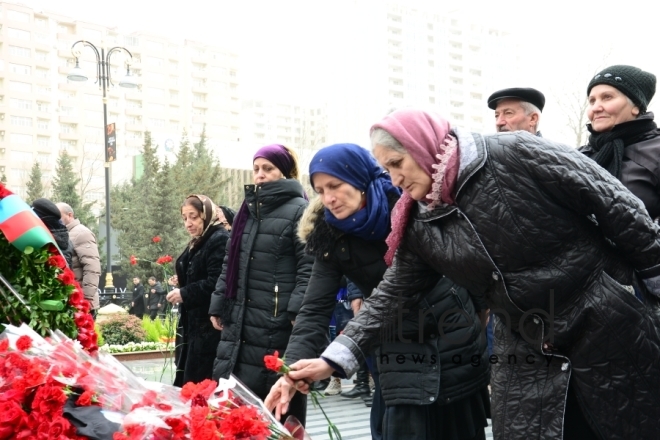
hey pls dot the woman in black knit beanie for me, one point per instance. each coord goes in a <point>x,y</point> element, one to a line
<point>624,138</point>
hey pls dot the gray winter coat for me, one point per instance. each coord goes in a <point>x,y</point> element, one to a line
<point>551,240</point>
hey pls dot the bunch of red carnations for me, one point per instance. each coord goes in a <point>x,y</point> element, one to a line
<point>44,381</point>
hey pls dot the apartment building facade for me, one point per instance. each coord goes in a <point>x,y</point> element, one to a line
<point>184,86</point>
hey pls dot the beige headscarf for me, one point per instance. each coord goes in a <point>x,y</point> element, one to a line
<point>209,215</point>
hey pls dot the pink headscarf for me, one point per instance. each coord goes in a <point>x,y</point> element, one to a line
<point>425,136</point>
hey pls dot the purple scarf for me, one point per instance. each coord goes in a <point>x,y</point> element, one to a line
<point>281,158</point>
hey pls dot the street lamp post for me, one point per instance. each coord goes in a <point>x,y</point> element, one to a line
<point>103,77</point>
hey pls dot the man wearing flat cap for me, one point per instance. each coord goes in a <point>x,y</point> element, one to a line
<point>517,109</point>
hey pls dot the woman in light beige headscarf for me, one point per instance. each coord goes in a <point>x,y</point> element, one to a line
<point>197,270</point>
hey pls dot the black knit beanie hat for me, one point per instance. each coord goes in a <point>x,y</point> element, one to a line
<point>633,82</point>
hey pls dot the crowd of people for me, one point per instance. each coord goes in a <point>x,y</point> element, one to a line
<point>504,276</point>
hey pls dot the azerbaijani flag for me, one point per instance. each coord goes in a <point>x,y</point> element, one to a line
<point>21,226</point>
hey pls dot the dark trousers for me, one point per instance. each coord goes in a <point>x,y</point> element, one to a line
<point>153,314</point>
<point>378,404</point>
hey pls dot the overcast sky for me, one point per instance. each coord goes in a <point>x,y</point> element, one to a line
<point>281,41</point>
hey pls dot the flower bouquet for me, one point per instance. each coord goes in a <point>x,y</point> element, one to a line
<point>53,389</point>
<point>36,286</point>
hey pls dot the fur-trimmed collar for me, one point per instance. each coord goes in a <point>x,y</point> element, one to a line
<point>319,237</point>
<point>315,232</point>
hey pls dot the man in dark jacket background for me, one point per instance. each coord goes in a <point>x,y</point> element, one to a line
<point>155,297</point>
<point>137,304</point>
<point>517,109</point>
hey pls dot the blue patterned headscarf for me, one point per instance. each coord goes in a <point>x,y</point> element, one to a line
<point>355,166</point>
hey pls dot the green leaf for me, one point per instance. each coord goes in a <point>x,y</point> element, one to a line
<point>28,250</point>
<point>52,305</point>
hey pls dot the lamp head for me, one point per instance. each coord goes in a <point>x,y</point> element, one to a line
<point>77,74</point>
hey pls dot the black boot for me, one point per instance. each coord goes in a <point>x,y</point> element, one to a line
<point>361,387</point>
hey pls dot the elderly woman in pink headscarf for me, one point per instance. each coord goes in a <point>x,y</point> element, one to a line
<point>553,244</point>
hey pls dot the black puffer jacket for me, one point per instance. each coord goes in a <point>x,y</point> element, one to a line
<point>521,235</point>
<point>272,279</point>
<point>61,236</point>
<point>198,271</point>
<point>428,373</point>
<point>640,170</point>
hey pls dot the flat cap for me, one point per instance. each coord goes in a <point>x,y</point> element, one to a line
<point>530,95</point>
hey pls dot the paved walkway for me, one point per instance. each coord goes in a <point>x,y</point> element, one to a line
<point>350,415</point>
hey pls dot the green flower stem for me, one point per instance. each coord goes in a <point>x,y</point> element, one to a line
<point>333,431</point>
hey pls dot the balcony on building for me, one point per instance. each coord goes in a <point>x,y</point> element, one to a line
<point>72,136</point>
<point>68,87</point>
<point>69,119</point>
<point>132,126</point>
<point>134,111</point>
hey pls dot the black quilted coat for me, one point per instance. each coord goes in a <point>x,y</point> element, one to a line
<point>272,279</point>
<point>551,240</point>
<point>432,374</point>
<point>198,271</point>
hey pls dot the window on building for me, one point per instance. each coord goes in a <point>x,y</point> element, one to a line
<point>158,123</point>
<point>41,22</point>
<point>68,144</point>
<point>43,90</point>
<point>199,97</point>
<point>18,86</point>
<point>155,45</point>
<point>94,115</point>
<point>19,51</point>
<point>18,16</point>
<point>21,139</point>
<point>43,142</point>
<point>41,55</point>
<point>156,92</point>
<point>43,106</point>
<point>19,174</point>
<point>154,61</point>
<point>21,156</point>
<point>67,110</point>
<point>42,73</point>
<point>21,121</point>
<point>155,107</point>
<point>130,40</point>
<point>43,158</point>
<point>22,104</point>
<point>19,34</point>
<point>91,131</point>
<point>68,128</point>
<point>134,135</point>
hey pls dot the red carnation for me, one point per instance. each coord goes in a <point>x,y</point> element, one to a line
<point>156,239</point>
<point>164,260</point>
<point>67,277</point>
<point>4,345</point>
<point>86,399</point>
<point>11,415</point>
<point>24,343</point>
<point>244,422</point>
<point>49,400</point>
<point>57,260</point>
<point>274,363</point>
<point>133,260</point>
